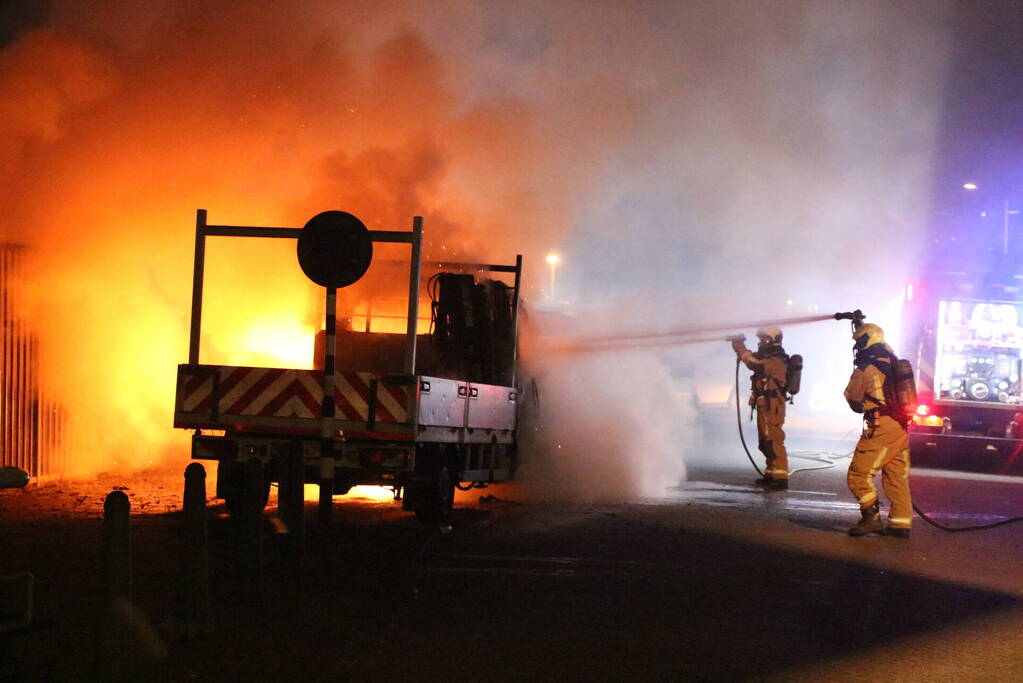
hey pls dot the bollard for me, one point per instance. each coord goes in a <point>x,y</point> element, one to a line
<point>252,522</point>
<point>13,478</point>
<point>114,647</point>
<point>196,589</point>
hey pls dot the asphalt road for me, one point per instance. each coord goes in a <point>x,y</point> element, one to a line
<point>714,580</point>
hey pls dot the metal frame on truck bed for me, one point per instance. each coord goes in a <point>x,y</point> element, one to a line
<point>420,434</point>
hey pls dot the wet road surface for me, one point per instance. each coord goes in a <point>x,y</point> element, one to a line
<point>714,580</point>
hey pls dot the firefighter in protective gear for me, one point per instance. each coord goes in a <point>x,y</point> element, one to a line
<point>769,364</point>
<point>884,444</point>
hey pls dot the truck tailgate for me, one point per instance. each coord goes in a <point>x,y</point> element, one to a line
<point>218,395</point>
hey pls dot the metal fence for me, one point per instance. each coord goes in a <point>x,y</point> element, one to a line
<point>32,426</point>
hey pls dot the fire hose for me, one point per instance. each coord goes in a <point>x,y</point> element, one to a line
<point>855,317</point>
<point>978,527</point>
<point>829,463</point>
<point>689,336</point>
<point>738,419</point>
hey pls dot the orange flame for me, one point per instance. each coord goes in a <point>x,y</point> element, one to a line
<point>376,494</point>
<point>118,123</point>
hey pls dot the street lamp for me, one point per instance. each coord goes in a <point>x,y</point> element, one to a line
<point>970,186</point>
<point>553,260</point>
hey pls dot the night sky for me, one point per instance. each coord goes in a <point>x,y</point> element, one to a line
<point>980,140</point>
<point>983,118</point>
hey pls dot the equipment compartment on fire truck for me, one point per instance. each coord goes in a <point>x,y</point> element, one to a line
<point>970,358</point>
<point>418,411</point>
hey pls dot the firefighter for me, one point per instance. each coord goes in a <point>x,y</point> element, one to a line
<point>884,444</point>
<point>769,364</point>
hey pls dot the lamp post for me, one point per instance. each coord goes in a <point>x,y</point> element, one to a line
<point>1006,212</point>
<point>553,260</point>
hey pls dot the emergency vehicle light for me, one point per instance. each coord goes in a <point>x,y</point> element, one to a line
<point>928,421</point>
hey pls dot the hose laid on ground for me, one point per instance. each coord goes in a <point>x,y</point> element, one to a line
<point>826,457</point>
<point>978,527</point>
<point>923,515</point>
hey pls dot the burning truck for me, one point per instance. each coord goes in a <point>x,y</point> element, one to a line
<point>421,406</point>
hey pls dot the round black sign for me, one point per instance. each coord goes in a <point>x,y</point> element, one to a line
<point>334,249</point>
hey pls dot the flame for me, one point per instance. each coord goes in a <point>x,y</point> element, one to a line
<point>376,494</point>
<point>137,134</point>
<point>264,114</point>
<point>275,343</point>
<point>388,316</point>
<point>373,493</point>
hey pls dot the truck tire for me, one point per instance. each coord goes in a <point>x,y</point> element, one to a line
<point>229,487</point>
<point>235,505</point>
<point>436,499</point>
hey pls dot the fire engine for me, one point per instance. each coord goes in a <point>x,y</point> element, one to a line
<point>968,362</point>
<point>421,412</point>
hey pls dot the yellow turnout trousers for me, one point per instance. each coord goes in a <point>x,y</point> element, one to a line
<point>770,418</point>
<point>883,446</point>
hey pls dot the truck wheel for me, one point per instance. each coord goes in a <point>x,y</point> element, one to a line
<point>230,487</point>
<point>235,505</point>
<point>436,501</point>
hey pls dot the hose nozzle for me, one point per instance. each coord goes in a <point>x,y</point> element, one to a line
<point>735,338</point>
<point>856,315</point>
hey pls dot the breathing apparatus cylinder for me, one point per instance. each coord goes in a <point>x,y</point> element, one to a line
<point>905,385</point>
<point>794,374</point>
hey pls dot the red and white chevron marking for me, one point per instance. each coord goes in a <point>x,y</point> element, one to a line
<point>271,392</point>
<point>352,394</point>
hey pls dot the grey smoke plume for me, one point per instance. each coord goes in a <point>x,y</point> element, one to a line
<point>777,164</point>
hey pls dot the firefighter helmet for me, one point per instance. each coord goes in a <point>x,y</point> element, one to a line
<point>769,335</point>
<point>868,334</point>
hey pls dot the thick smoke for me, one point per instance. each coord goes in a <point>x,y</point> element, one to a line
<point>777,165</point>
<point>691,161</point>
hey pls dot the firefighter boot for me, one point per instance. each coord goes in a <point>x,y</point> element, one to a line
<point>772,484</point>
<point>870,521</point>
